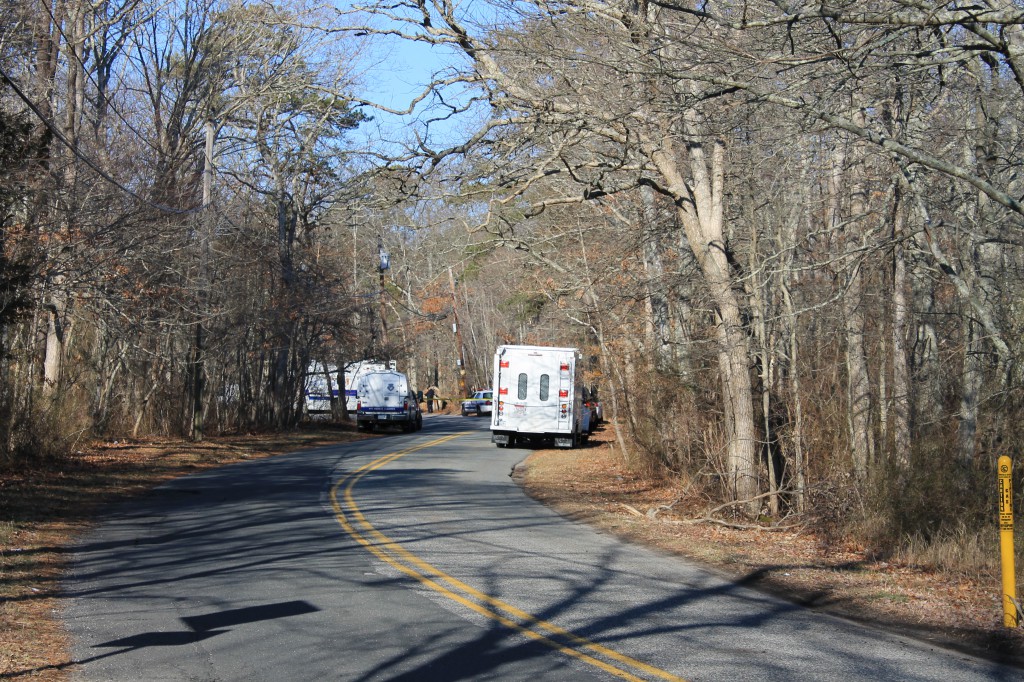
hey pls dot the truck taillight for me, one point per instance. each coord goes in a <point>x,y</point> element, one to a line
<point>359,405</point>
<point>503,391</point>
<point>563,393</point>
<point>405,405</point>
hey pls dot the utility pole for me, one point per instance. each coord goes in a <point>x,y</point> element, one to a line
<point>385,263</point>
<point>199,351</point>
<point>458,338</point>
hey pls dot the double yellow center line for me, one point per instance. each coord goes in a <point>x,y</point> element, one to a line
<point>348,514</point>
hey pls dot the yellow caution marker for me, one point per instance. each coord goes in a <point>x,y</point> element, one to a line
<point>1010,613</point>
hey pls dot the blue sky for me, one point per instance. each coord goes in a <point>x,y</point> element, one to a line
<point>395,71</point>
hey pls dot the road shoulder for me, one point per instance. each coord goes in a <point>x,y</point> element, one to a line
<point>595,486</point>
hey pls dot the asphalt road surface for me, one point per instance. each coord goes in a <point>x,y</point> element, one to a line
<point>416,557</point>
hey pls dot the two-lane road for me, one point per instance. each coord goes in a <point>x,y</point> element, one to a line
<point>416,557</point>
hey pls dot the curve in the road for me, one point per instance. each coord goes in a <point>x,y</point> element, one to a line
<point>349,516</point>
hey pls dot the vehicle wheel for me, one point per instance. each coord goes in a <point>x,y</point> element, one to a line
<point>502,445</point>
<point>419,422</point>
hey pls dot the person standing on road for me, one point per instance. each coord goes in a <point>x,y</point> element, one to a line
<point>431,392</point>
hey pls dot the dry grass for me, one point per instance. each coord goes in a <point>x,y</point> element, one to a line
<point>948,607</point>
<point>960,551</point>
<point>43,507</point>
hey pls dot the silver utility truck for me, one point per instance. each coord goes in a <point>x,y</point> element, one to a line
<point>538,396</point>
<point>383,398</point>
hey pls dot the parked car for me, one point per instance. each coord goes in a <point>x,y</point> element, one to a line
<point>480,404</point>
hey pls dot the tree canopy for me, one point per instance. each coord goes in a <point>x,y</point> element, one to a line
<point>787,236</point>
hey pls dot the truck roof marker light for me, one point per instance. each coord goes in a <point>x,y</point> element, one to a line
<point>503,391</point>
<point>503,364</point>
<point>564,367</point>
<point>564,393</point>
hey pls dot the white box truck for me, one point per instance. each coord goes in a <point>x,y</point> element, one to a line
<point>538,396</point>
<point>321,384</point>
<point>383,398</point>
<point>320,387</point>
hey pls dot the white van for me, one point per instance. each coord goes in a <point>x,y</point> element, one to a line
<point>354,371</point>
<point>538,394</point>
<point>383,398</point>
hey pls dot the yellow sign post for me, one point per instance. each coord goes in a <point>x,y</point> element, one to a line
<point>1006,542</point>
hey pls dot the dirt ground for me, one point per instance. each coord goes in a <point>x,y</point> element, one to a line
<point>41,511</point>
<point>958,612</point>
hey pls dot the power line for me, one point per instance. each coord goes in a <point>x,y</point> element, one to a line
<point>85,159</point>
<point>88,74</point>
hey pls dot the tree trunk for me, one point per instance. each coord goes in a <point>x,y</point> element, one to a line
<point>765,364</point>
<point>197,375</point>
<point>703,223</point>
<point>858,381</point>
<point>796,405</point>
<point>900,331</point>
<point>858,378</point>
<point>658,320</point>
<point>970,389</point>
<point>53,355</point>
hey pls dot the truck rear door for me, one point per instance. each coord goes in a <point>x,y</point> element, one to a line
<point>566,373</point>
<point>394,393</point>
<point>529,387</point>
